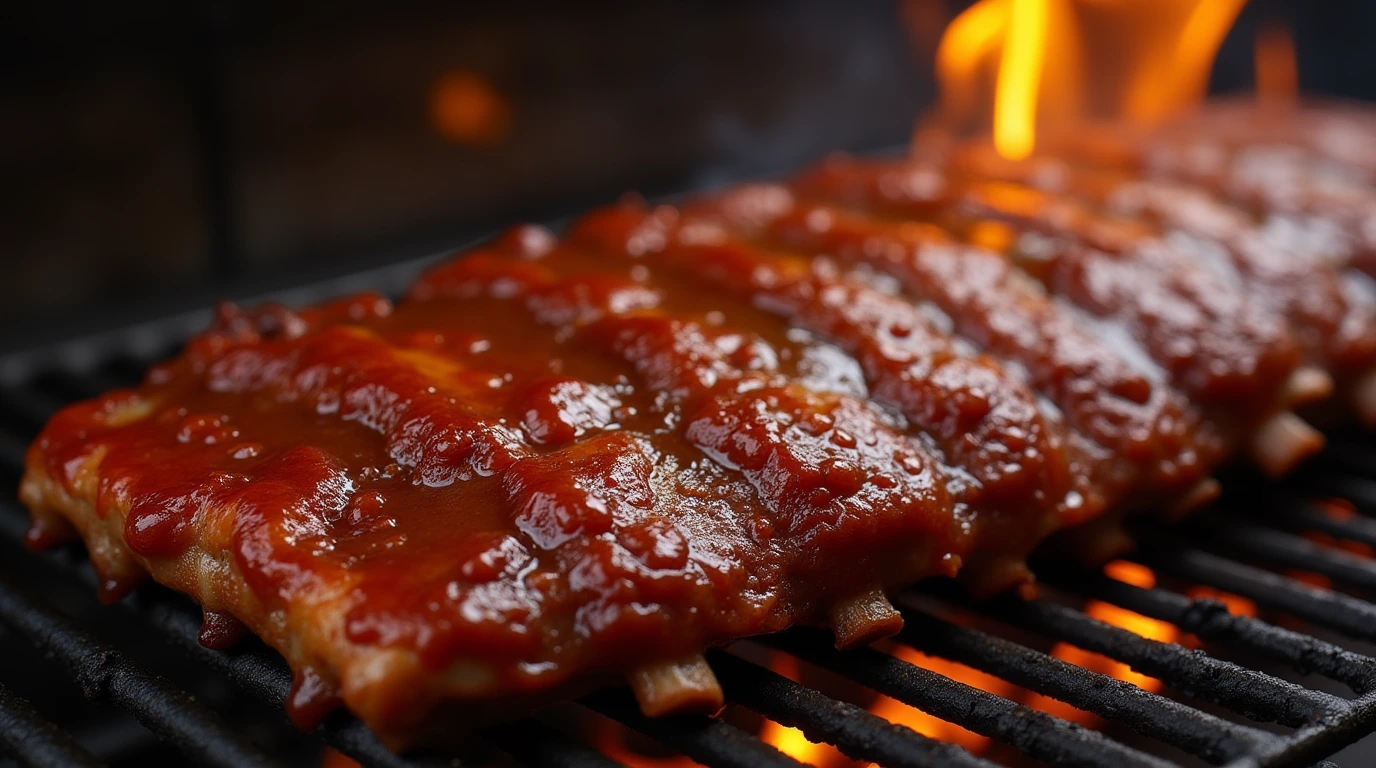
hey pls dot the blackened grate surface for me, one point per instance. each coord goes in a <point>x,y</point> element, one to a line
<point>1290,688</point>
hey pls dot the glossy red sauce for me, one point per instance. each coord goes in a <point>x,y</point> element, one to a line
<point>545,458</point>
<point>1306,175</point>
<point>1208,337</point>
<point>1300,271</point>
<point>567,458</point>
<point>1130,432</point>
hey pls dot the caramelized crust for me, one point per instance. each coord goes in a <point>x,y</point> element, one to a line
<point>1206,335</point>
<point>1277,200</point>
<point>1331,308</point>
<point>1132,435</point>
<point>535,474</point>
<point>565,462</point>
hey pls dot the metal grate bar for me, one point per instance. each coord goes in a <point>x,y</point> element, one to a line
<point>264,676</point>
<point>105,673</point>
<point>1347,468</point>
<point>1245,691</point>
<point>1326,608</point>
<point>35,741</point>
<point>1314,742</point>
<point>1034,733</point>
<point>1361,491</point>
<point>257,671</point>
<point>1300,514</point>
<point>1157,717</point>
<point>856,732</point>
<point>261,673</point>
<point>1210,620</point>
<point>1296,552</point>
<point>1325,723</point>
<point>534,743</point>
<point>707,740</point>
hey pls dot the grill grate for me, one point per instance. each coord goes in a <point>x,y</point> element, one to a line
<point>25,732</point>
<point>1241,712</point>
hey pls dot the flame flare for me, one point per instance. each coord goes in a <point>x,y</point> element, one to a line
<point>794,744</point>
<point>1276,69</point>
<point>1020,71</point>
<point>791,741</point>
<point>1151,60</point>
<point>928,725</point>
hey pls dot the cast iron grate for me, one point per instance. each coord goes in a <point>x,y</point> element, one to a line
<point>1232,704</point>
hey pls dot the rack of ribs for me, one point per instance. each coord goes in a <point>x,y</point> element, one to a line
<point>562,461</point>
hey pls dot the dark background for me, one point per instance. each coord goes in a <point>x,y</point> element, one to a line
<point>156,156</point>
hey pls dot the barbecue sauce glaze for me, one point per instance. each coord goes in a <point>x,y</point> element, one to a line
<point>559,460</point>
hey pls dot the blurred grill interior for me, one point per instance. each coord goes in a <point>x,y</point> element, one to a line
<point>160,158</point>
<point>172,156</point>
<point>246,141</point>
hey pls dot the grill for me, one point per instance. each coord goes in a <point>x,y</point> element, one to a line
<point>1234,703</point>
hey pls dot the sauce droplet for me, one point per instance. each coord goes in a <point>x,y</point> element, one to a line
<point>311,698</point>
<point>220,630</point>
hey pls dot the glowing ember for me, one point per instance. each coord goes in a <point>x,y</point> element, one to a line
<point>466,109</point>
<point>1339,509</point>
<point>1352,547</point>
<point>897,712</point>
<point>1152,629</point>
<point>1236,604</point>
<point>611,741</point>
<point>1130,573</point>
<point>791,741</point>
<point>1317,580</point>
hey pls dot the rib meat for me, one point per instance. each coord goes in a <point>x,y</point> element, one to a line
<point>561,462</point>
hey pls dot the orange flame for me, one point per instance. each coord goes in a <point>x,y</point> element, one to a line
<point>1276,68</point>
<point>1152,629</point>
<point>791,741</point>
<point>1236,604</point>
<point>1180,78</point>
<point>929,725</point>
<point>1007,42</point>
<point>611,741</point>
<point>1020,72</point>
<point>968,43</point>
<point>1150,59</point>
